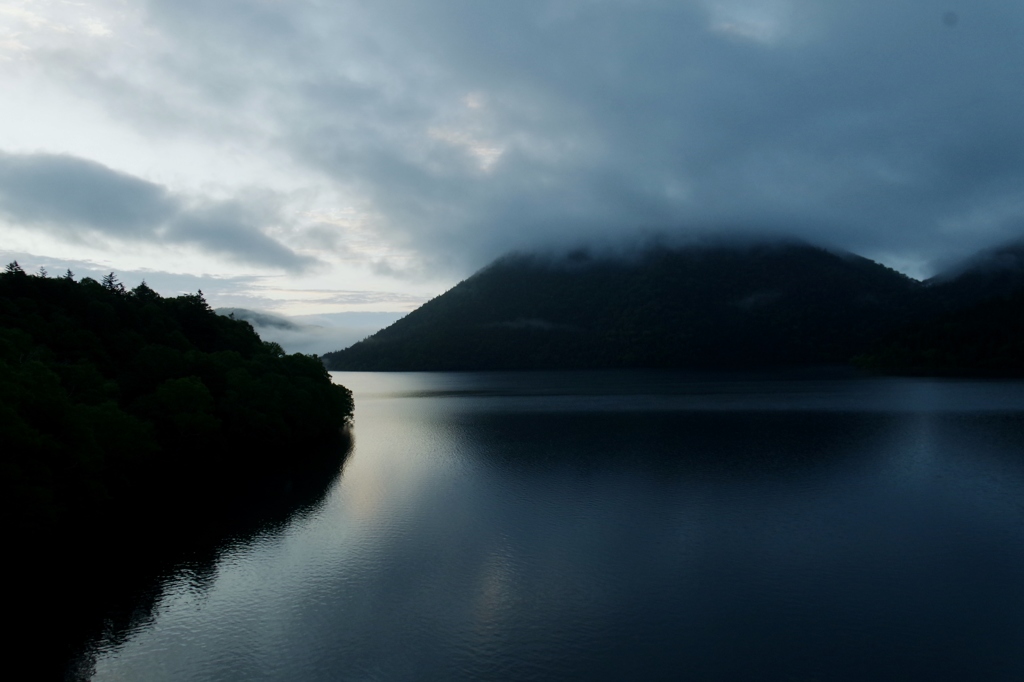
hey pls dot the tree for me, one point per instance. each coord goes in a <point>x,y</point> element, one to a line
<point>111,283</point>
<point>14,269</point>
<point>144,292</point>
<point>70,276</point>
<point>274,349</point>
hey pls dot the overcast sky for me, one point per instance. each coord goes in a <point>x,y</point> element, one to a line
<point>317,156</point>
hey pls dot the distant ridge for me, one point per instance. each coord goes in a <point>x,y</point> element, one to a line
<point>988,274</point>
<point>761,304</point>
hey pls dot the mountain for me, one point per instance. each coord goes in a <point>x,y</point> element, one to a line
<point>984,339</point>
<point>706,306</point>
<point>992,273</point>
<point>978,327</point>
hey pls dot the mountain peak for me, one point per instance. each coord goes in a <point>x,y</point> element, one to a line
<point>708,304</point>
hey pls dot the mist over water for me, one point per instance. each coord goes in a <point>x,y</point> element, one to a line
<point>313,334</point>
<point>609,526</point>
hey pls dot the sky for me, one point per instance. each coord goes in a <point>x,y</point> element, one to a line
<point>322,157</point>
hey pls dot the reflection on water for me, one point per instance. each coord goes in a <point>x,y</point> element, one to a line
<point>608,526</point>
<point>115,582</point>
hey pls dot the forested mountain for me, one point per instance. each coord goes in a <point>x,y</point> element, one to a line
<point>709,306</point>
<point>986,339</point>
<point>993,273</point>
<point>118,405</point>
<point>978,329</point>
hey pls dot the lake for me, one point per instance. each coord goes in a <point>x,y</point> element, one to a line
<point>625,526</point>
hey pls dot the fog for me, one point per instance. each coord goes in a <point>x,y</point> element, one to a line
<point>313,334</point>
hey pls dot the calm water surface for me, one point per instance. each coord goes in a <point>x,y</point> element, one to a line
<point>627,526</point>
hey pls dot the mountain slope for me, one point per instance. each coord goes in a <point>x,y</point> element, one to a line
<point>978,328</point>
<point>765,304</point>
<point>986,339</point>
<point>992,273</point>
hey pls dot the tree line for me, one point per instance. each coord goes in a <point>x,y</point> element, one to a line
<point>118,403</point>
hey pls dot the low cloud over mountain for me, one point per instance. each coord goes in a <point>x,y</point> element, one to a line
<point>414,140</point>
<point>313,334</point>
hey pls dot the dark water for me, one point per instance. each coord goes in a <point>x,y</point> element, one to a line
<point>627,526</point>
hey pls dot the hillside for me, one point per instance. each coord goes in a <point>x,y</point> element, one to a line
<point>978,329</point>
<point>712,306</point>
<point>992,273</point>
<point>115,400</point>
<point>986,339</point>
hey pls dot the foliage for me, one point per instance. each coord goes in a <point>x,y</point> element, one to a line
<point>113,399</point>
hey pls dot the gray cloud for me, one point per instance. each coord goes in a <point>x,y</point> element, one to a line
<point>472,128</point>
<point>66,193</point>
<point>367,297</point>
<point>77,198</point>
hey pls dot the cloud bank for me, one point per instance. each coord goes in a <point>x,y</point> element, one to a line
<point>82,199</point>
<point>458,130</point>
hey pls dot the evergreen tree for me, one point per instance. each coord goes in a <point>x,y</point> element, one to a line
<point>144,292</point>
<point>111,283</point>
